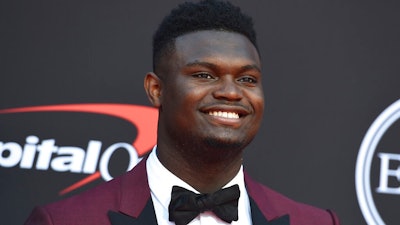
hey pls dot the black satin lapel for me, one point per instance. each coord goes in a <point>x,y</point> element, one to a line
<point>259,219</point>
<point>146,217</point>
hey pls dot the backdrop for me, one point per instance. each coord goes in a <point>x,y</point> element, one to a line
<point>73,112</point>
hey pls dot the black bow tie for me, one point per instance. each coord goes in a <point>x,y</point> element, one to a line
<point>186,205</point>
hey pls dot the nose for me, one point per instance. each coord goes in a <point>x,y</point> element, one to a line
<point>228,89</point>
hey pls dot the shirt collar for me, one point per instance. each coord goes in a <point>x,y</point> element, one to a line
<point>161,181</point>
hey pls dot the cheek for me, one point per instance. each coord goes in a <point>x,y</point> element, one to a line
<point>181,103</point>
<point>191,95</point>
<point>257,101</point>
<point>261,106</point>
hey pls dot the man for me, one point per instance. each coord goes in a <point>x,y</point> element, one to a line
<point>207,86</point>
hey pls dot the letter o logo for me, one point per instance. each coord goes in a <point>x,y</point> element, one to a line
<point>105,159</point>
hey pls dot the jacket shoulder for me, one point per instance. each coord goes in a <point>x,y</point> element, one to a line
<point>91,206</point>
<point>274,204</point>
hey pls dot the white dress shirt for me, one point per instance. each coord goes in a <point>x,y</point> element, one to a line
<point>161,181</point>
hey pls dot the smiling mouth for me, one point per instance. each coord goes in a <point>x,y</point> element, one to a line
<point>229,115</point>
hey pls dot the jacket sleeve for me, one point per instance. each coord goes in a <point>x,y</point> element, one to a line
<point>335,218</point>
<point>39,216</point>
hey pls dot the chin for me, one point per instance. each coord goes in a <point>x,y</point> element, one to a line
<point>216,150</point>
<point>225,143</point>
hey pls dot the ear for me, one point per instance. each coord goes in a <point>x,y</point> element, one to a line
<point>152,85</point>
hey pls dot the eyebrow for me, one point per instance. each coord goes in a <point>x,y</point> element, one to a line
<point>251,67</point>
<point>213,66</point>
<point>200,63</point>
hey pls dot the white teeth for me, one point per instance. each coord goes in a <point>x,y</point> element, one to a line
<point>230,115</point>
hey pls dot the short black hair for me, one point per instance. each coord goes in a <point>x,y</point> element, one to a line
<point>204,15</point>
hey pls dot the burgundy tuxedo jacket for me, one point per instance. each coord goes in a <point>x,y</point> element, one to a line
<point>126,200</point>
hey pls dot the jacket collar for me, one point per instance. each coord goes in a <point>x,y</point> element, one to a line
<point>262,200</point>
<point>259,219</point>
<point>146,217</point>
<point>135,191</point>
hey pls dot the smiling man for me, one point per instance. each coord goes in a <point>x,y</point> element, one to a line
<point>211,104</point>
<point>207,86</point>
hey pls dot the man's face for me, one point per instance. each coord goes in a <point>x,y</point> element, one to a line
<point>211,91</point>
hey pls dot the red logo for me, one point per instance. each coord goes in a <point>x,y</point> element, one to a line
<point>142,117</point>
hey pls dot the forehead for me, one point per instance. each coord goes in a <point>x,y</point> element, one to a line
<point>221,45</point>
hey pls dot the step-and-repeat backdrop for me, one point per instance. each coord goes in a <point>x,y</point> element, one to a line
<point>73,112</point>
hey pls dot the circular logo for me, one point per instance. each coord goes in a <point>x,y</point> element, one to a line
<point>387,172</point>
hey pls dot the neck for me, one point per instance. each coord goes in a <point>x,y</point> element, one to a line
<point>206,170</point>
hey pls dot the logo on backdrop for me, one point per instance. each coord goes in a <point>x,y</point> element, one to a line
<point>75,159</point>
<point>377,175</point>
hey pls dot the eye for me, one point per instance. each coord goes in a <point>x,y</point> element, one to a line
<point>248,79</point>
<point>203,75</point>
